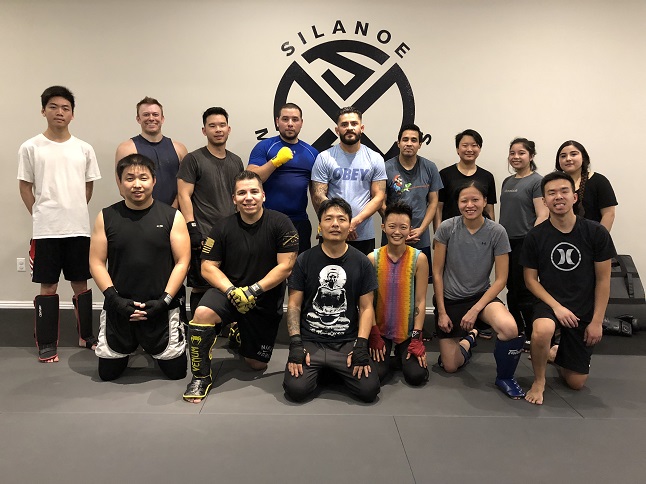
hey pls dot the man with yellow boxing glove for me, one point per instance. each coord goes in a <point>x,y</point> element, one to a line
<point>284,164</point>
<point>245,259</point>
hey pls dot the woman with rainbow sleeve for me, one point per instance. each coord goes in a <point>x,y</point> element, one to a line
<point>400,300</point>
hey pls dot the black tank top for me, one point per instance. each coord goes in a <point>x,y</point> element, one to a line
<point>166,166</point>
<point>140,259</point>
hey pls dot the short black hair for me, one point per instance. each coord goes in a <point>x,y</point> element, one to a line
<point>214,111</point>
<point>399,207</point>
<point>290,106</point>
<point>410,127</point>
<point>334,202</point>
<point>468,132</point>
<point>57,91</point>
<point>556,175</point>
<point>246,175</point>
<point>135,159</point>
<point>349,110</point>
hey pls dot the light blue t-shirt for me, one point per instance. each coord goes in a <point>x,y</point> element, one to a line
<point>350,176</point>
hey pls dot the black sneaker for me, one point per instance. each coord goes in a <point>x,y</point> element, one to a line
<point>485,333</point>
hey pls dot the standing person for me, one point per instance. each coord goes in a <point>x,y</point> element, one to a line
<point>595,197</point>
<point>414,180</point>
<point>355,173</point>
<point>204,186</point>
<point>467,248</point>
<point>166,153</point>
<point>139,256</point>
<point>567,267</point>
<point>468,144</point>
<point>400,300</point>
<point>330,311</point>
<point>56,174</point>
<point>245,259</point>
<point>521,208</point>
<point>284,164</point>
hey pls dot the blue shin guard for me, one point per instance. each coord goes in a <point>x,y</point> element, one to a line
<point>507,355</point>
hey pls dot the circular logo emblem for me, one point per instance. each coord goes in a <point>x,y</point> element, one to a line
<point>331,53</point>
<point>565,257</point>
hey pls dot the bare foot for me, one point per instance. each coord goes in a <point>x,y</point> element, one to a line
<point>83,344</point>
<point>193,400</point>
<point>552,355</point>
<point>535,394</point>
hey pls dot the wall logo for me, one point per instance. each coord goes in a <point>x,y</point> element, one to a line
<point>358,59</point>
<point>566,257</point>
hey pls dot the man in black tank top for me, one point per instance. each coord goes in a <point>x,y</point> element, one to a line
<point>139,256</point>
<point>164,152</point>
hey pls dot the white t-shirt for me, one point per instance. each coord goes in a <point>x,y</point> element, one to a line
<point>59,172</point>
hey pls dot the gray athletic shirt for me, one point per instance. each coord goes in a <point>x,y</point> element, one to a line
<point>470,257</point>
<point>517,213</point>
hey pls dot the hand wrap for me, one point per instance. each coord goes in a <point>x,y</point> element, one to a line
<point>416,346</point>
<point>375,341</point>
<point>195,235</point>
<point>360,355</point>
<point>283,156</point>
<point>297,351</point>
<point>156,307</point>
<point>122,306</point>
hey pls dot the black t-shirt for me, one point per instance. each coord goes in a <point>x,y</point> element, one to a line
<point>565,262</point>
<point>453,180</point>
<point>140,259</point>
<point>598,194</point>
<point>248,252</point>
<point>332,288</point>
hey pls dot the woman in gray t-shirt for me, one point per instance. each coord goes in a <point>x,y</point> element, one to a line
<point>467,248</point>
<point>521,208</point>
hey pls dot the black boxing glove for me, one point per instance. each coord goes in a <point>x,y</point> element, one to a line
<point>297,351</point>
<point>360,355</point>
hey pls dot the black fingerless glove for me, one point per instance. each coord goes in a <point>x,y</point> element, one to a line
<point>360,355</point>
<point>122,306</point>
<point>195,235</point>
<point>297,351</point>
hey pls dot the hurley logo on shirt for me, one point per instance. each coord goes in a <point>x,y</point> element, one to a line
<point>565,256</point>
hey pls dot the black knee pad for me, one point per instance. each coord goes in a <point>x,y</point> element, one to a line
<point>112,368</point>
<point>174,369</point>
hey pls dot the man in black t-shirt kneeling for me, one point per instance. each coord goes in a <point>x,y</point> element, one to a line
<point>330,311</point>
<point>245,259</point>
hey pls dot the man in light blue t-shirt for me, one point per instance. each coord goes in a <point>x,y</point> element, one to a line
<point>355,173</point>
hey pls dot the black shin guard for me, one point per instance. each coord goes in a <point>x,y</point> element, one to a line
<point>83,310</point>
<point>200,341</point>
<point>46,326</point>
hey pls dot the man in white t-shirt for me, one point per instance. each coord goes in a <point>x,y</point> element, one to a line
<point>56,174</point>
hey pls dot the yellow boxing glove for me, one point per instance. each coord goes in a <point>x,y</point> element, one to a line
<point>283,156</point>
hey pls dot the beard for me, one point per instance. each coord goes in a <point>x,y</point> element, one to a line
<point>350,141</point>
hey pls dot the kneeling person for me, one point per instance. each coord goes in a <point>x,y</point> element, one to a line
<point>246,259</point>
<point>400,306</point>
<point>330,311</point>
<point>566,262</point>
<point>146,247</point>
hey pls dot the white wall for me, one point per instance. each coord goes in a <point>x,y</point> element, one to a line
<point>548,70</point>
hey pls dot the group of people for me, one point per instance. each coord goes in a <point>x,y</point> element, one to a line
<point>241,236</point>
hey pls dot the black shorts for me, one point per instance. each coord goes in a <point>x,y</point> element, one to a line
<point>194,278</point>
<point>69,254</point>
<point>163,338</point>
<point>258,329</point>
<point>573,354</point>
<point>456,311</point>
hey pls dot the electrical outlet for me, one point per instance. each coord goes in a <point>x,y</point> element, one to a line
<point>20,264</point>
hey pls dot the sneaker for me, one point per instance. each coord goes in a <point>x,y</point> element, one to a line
<point>234,336</point>
<point>486,333</point>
